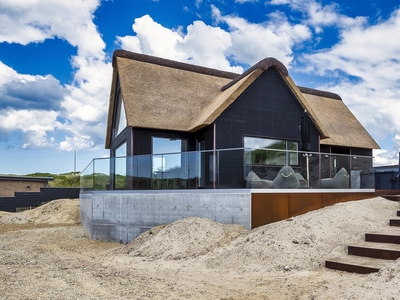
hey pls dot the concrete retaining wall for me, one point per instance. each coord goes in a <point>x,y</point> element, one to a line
<point>122,216</point>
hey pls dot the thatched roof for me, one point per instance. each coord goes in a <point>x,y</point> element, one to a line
<point>169,95</point>
<point>337,120</point>
<point>163,94</point>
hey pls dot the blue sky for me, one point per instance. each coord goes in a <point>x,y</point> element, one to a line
<point>55,63</point>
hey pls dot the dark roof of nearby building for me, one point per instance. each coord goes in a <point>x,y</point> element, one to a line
<point>25,178</point>
<point>164,94</point>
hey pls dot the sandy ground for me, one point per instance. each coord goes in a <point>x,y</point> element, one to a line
<point>46,254</point>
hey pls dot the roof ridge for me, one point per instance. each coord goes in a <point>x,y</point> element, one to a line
<point>172,64</point>
<point>315,92</point>
<point>264,64</point>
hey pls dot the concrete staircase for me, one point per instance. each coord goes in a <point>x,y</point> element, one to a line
<point>373,254</point>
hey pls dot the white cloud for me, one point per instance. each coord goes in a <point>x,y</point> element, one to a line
<point>319,16</point>
<point>384,157</point>
<point>205,45</point>
<point>34,124</point>
<point>202,45</point>
<point>369,56</point>
<point>198,3</point>
<point>83,104</point>
<point>245,1</point>
<point>156,39</point>
<point>253,42</point>
<point>77,142</point>
<point>130,43</point>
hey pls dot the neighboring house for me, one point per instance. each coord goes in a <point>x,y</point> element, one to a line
<point>10,184</point>
<point>160,106</point>
<point>387,177</point>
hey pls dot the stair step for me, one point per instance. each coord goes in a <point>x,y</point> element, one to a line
<point>380,252</point>
<point>394,222</point>
<point>356,264</point>
<point>382,238</point>
<point>392,197</point>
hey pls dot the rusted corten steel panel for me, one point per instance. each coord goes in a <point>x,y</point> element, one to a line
<point>270,207</point>
<point>333,198</point>
<point>305,203</point>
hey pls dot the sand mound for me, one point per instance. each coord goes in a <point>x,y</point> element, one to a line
<point>196,258</point>
<point>300,243</point>
<point>63,211</point>
<point>306,241</point>
<point>183,239</point>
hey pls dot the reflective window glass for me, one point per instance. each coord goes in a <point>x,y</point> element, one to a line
<point>270,151</point>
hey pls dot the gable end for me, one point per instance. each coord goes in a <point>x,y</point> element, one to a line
<point>264,65</point>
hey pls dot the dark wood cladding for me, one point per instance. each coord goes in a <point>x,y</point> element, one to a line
<point>142,139</point>
<point>267,109</point>
<point>273,207</point>
<point>35,199</point>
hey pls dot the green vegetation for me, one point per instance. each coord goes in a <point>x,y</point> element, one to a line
<point>68,180</point>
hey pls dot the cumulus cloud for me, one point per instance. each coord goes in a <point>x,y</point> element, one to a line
<point>244,43</point>
<point>34,124</point>
<point>76,142</point>
<point>31,92</point>
<point>251,42</point>
<point>319,16</point>
<point>83,103</point>
<point>368,54</point>
<point>202,45</point>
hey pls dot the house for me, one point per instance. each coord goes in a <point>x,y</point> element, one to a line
<point>9,184</point>
<point>161,106</point>
<point>185,141</point>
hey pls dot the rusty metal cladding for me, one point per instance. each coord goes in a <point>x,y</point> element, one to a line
<point>269,208</point>
<point>349,268</point>
<point>374,253</point>
<point>272,207</point>
<point>382,238</point>
<point>305,203</point>
<point>395,222</point>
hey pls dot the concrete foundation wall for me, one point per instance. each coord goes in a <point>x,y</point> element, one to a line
<point>122,216</point>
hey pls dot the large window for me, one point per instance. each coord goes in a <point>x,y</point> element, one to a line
<point>168,162</point>
<point>264,151</point>
<point>120,116</point>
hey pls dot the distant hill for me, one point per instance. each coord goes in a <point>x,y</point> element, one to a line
<point>60,180</point>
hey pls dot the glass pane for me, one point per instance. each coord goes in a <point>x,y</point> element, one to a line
<point>101,178</point>
<point>293,154</point>
<point>120,117</point>
<point>168,162</point>
<point>255,143</point>
<point>120,167</point>
<point>263,152</point>
<point>201,166</point>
